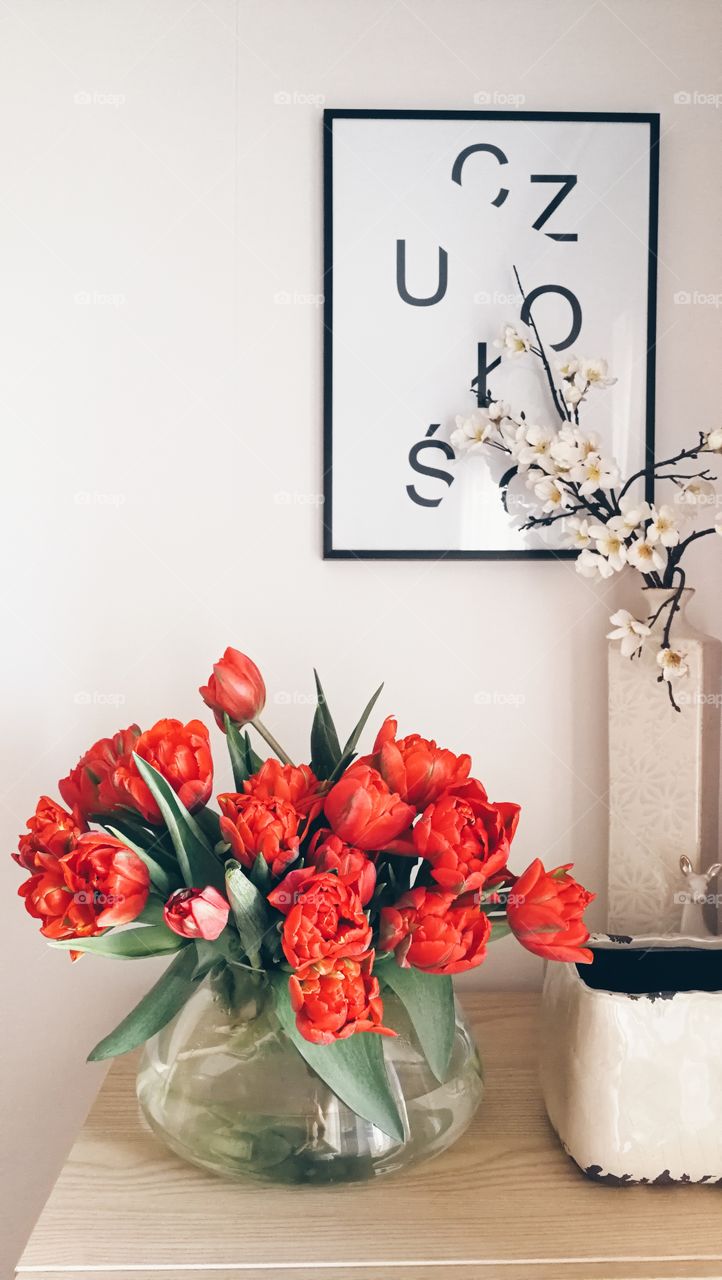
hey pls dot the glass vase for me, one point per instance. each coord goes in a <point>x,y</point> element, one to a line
<point>224,1087</point>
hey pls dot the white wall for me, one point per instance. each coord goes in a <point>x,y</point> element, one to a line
<point>156,401</point>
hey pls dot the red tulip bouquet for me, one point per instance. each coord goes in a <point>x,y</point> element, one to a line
<point>337,878</point>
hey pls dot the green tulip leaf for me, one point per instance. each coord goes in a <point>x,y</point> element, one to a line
<point>236,743</point>
<point>152,912</point>
<point>199,865</point>
<point>159,877</point>
<point>350,748</point>
<point>210,955</point>
<point>260,874</point>
<point>354,1068</point>
<point>127,944</point>
<point>254,761</point>
<point>154,1011</point>
<point>154,840</point>
<point>250,911</point>
<point>325,746</point>
<point>210,824</point>
<point>429,1002</point>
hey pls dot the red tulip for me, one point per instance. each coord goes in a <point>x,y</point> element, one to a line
<point>545,910</point>
<point>181,753</point>
<point>324,918</point>
<point>435,931</point>
<point>80,790</point>
<point>415,767</point>
<point>254,826</point>
<point>328,852</point>
<point>197,913</point>
<point>333,999</point>
<point>100,883</point>
<point>51,830</point>
<point>235,688</point>
<point>363,812</point>
<point>465,837</point>
<point>296,784</point>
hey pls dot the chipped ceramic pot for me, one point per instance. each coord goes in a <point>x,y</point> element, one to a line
<point>631,1066</point>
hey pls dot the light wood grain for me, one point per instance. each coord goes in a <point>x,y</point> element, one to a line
<point>504,1202</point>
<point>653,1270</point>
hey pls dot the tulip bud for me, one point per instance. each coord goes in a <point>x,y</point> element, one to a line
<point>235,688</point>
<point>197,913</point>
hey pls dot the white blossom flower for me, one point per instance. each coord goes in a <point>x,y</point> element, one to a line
<point>663,527</point>
<point>572,394</point>
<point>693,494</point>
<point>610,545</point>
<point>595,473</point>
<point>629,630</point>
<point>571,447</point>
<point>713,440</point>
<point>534,446</point>
<point>576,532</point>
<point>498,410</point>
<point>472,432</point>
<point>592,565</point>
<point>515,340</point>
<point>633,516</point>
<point>568,366</point>
<point>594,373</point>
<point>509,433</point>
<point>673,663</point>
<point>551,493</point>
<point>645,556</point>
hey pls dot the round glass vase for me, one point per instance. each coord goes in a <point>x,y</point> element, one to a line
<point>224,1087</point>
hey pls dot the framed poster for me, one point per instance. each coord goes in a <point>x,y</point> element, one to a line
<point>440,228</point>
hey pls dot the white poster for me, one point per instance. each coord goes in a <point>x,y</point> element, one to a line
<point>441,227</point>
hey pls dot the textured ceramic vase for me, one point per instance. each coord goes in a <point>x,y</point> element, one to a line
<point>224,1087</point>
<point>664,774</point>
<point>632,1060</point>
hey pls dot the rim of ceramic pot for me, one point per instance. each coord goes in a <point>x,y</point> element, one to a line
<point>648,942</point>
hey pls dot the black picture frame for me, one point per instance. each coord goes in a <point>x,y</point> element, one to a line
<point>532,553</point>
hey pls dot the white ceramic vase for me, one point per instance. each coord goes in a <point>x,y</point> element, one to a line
<point>630,1077</point>
<point>664,774</point>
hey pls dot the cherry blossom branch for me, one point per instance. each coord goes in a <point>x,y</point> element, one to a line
<point>560,408</point>
<point>665,462</point>
<point>674,603</point>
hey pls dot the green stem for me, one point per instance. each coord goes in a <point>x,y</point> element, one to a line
<point>266,734</point>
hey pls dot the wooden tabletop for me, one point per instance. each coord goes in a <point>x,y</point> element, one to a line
<point>505,1202</point>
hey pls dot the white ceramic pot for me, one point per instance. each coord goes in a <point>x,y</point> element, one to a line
<point>631,1066</point>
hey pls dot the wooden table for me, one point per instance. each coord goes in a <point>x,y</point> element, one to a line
<point>505,1203</point>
